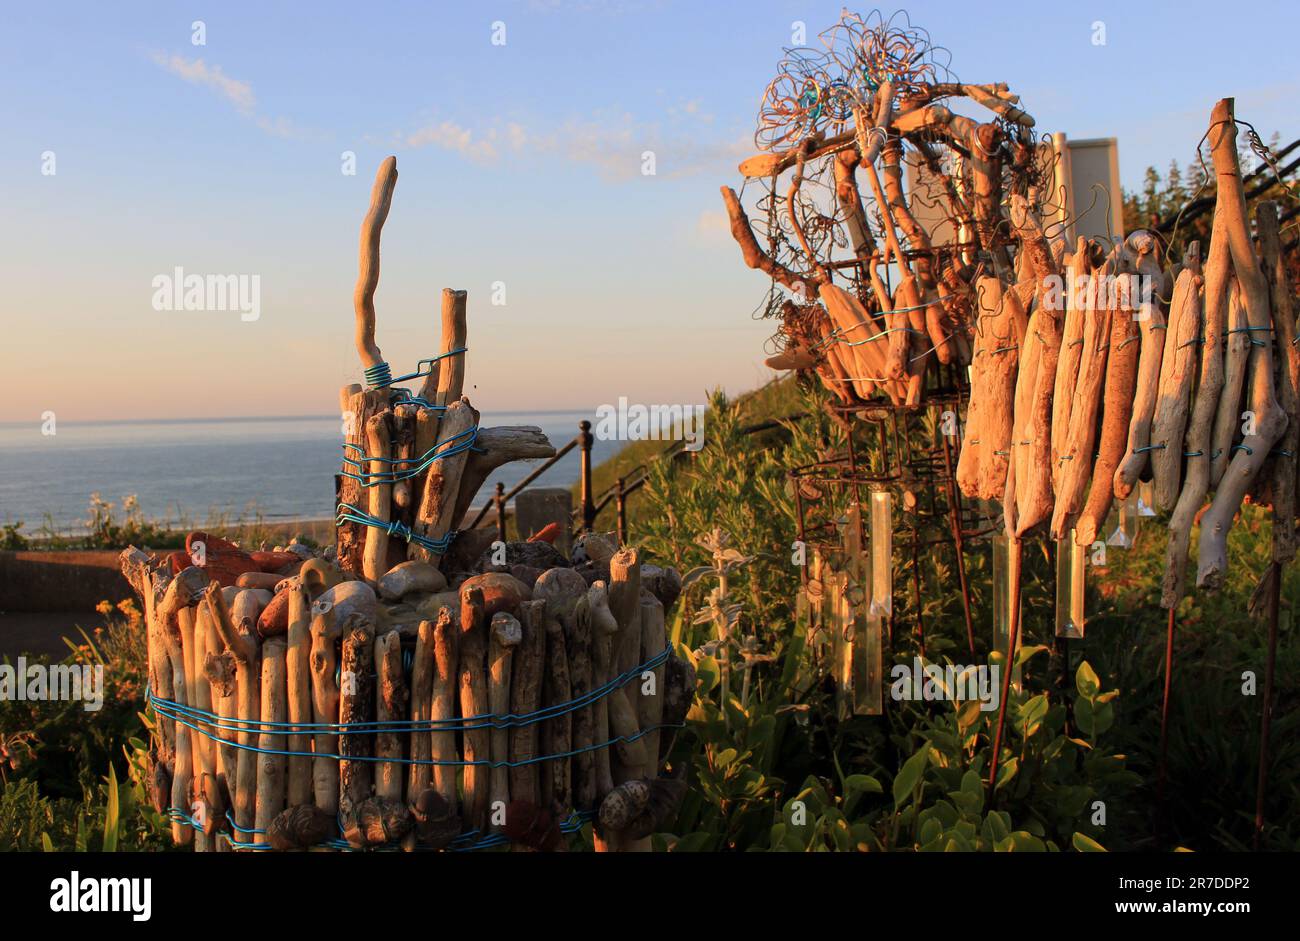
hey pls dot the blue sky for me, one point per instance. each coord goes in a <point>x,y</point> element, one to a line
<point>519,163</point>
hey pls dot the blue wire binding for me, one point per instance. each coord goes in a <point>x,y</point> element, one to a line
<point>456,444</point>
<point>347,513</point>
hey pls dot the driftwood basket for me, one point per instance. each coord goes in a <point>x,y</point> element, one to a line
<point>413,686</point>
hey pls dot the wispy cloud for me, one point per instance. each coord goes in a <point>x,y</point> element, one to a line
<point>615,144</point>
<point>236,92</point>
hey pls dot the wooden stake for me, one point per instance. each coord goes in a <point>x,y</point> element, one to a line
<point>528,667</point>
<point>420,773</point>
<point>272,769</point>
<point>356,705</point>
<point>442,706</point>
<point>325,633</point>
<point>390,706</point>
<point>477,746</point>
<point>507,634</point>
<point>298,672</point>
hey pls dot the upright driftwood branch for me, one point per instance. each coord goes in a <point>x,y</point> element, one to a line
<point>390,706</point>
<point>363,296</point>
<point>272,769</point>
<point>356,705</point>
<point>476,747</point>
<point>442,706</point>
<point>298,673</point>
<point>525,698</point>
<point>325,696</point>
<point>507,634</point>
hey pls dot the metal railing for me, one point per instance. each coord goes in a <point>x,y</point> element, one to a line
<point>590,504</point>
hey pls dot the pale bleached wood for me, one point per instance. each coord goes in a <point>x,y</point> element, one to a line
<point>442,485</point>
<point>272,769</point>
<point>604,628</point>
<point>1284,328</point>
<point>1004,334</point>
<point>527,668</point>
<point>1173,400</point>
<point>1227,417</point>
<point>420,772</point>
<point>363,296</point>
<point>356,706</point>
<point>1152,327</point>
<point>1116,415</point>
<point>1268,422</point>
<point>1034,486</point>
<point>476,743</point>
<point>1078,281</point>
<point>1088,395</point>
<point>493,448</point>
<point>325,697</point>
<point>442,706</point>
<point>374,561</point>
<point>391,703</point>
<point>507,634</point>
<point>298,678</point>
<point>1197,440</point>
<point>650,686</point>
<point>242,640</point>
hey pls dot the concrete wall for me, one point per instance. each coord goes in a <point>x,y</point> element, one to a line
<point>60,581</point>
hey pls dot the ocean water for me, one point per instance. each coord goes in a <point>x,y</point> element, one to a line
<point>193,470</point>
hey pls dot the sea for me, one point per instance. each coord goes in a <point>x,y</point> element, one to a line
<point>195,471</point>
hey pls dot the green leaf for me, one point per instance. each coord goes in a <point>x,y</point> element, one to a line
<point>1086,844</point>
<point>47,845</point>
<point>111,813</point>
<point>1086,681</point>
<point>909,776</point>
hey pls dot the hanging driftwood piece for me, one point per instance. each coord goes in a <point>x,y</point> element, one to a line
<point>1264,422</point>
<point>1197,440</point>
<point>1151,323</point>
<point>1284,328</point>
<point>1177,374</point>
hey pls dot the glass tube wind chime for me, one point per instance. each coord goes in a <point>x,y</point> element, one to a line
<point>1070,618</point>
<point>861,602</point>
<point>1002,600</point>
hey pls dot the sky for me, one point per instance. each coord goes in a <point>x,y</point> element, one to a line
<point>520,180</point>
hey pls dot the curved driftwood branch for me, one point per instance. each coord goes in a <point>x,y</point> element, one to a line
<point>363,296</point>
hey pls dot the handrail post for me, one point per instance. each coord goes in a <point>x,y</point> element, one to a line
<point>588,504</point>
<point>620,501</point>
<point>500,501</point>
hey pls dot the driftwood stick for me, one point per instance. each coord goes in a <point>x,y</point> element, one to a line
<point>1077,279</point>
<point>420,773</point>
<point>1197,441</point>
<point>325,633</point>
<point>528,667</point>
<point>577,642</point>
<point>358,408</point>
<point>390,706</point>
<point>442,484</point>
<point>1154,334</point>
<point>507,634</point>
<point>1227,417</point>
<point>1284,328</point>
<point>556,690</point>
<point>1177,374</point>
<point>495,447</point>
<point>298,672</point>
<point>363,296</point>
<point>374,561</point>
<point>272,769</point>
<point>1116,417</point>
<point>1004,341</point>
<point>477,746</point>
<point>754,256</point>
<point>442,707</point>
<point>650,686</point>
<point>356,705</point>
<point>625,605</point>
<point>244,644</point>
<point>1266,422</point>
<point>1088,396</point>
<point>604,628</point>
<point>455,334</point>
